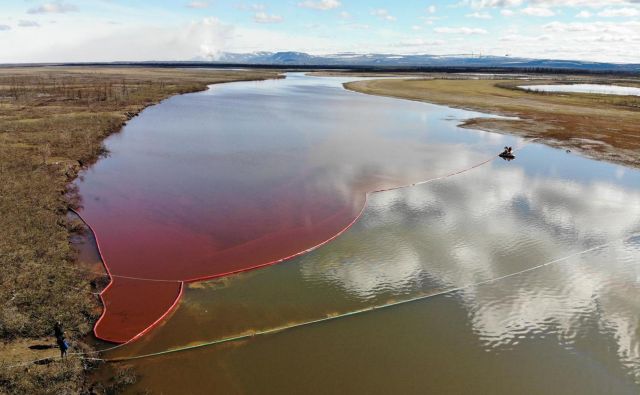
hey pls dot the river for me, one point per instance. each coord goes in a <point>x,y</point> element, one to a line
<point>248,173</point>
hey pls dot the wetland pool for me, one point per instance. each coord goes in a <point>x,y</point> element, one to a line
<point>586,88</point>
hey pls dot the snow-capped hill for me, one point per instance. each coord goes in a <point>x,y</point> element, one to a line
<point>346,59</point>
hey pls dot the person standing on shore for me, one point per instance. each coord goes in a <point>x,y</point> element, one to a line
<point>58,331</point>
<point>63,346</point>
<point>60,340</point>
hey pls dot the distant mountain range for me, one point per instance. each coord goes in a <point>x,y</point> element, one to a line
<point>380,61</point>
<point>411,61</point>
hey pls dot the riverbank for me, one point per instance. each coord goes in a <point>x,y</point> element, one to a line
<point>52,124</point>
<point>597,126</point>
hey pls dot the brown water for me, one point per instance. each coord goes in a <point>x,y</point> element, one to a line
<point>569,327</point>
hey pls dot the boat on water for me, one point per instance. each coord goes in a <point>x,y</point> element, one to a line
<point>507,154</point>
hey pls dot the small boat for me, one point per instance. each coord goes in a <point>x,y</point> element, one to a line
<point>507,154</point>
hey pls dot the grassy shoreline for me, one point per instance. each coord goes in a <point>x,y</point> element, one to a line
<point>53,121</point>
<point>597,126</point>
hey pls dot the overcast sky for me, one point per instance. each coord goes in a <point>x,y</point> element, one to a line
<point>107,30</point>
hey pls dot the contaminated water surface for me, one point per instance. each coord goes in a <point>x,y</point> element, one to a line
<point>244,175</point>
<point>569,327</point>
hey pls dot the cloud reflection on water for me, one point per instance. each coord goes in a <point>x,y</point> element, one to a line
<point>498,220</point>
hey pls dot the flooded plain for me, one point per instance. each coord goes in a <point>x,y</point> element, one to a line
<point>280,149</point>
<point>586,88</point>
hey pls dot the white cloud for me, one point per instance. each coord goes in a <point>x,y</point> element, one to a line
<point>198,4</point>
<point>545,3</point>
<point>431,9</point>
<point>584,14</point>
<point>459,30</point>
<point>204,39</point>
<point>506,12</point>
<point>356,26</point>
<point>428,20</point>
<point>494,3</point>
<point>52,8</point>
<point>383,14</point>
<point>4,28</point>
<point>263,17</point>
<point>320,4</point>
<point>538,11</point>
<point>631,28</point>
<point>581,3</point>
<point>345,15</point>
<point>69,39</point>
<point>25,23</point>
<point>479,15</point>
<point>419,42</point>
<point>619,12</point>
<point>598,40</point>
<point>251,7</point>
<point>525,39</point>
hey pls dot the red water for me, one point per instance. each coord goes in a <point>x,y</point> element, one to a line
<point>248,233</point>
<point>242,176</point>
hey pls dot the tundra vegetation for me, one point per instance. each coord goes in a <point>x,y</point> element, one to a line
<point>52,125</point>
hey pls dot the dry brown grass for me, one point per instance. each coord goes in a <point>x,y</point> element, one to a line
<point>52,123</point>
<point>599,126</point>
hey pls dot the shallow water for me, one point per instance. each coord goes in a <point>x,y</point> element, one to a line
<point>246,174</point>
<point>568,327</point>
<point>586,88</point>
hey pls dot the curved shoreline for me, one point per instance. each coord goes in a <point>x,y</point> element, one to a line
<point>595,127</point>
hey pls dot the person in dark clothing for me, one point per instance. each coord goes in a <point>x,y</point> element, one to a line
<point>63,346</point>
<point>58,331</point>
